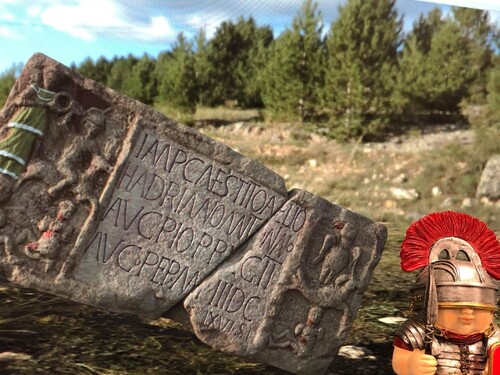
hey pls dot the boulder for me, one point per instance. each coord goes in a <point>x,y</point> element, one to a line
<point>489,184</point>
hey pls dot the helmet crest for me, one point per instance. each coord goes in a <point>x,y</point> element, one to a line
<point>424,233</point>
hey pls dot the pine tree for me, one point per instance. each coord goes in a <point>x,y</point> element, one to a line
<point>448,67</point>
<point>98,70</point>
<point>436,78</point>
<point>425,28</point>
<point>251,64</point>
<point>413,78</point>
<point>177,77</point>
<point>7,80</point>
<point>476,28</point>
<point>231,57</point>
<point>494,91</point>
<point>223,54</point>
<point>202,68</point>
<point>294,75</point>
<point>140,84</point>
<point>362,67</point>
<point>282,89</point>
<point>120,71</point>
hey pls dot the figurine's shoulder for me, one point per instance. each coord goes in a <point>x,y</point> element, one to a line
<point>412,333</point>
<point>493,336</point>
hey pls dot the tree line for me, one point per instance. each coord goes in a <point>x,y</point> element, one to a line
<point>357,78</point>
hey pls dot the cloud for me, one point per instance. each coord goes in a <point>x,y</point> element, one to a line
<point>207,22</point>
<point>160,21</point>
<point>477,4</point>
<point>6,32</point>
<point>34,10</point>
<point>158,29</point>
<point>87,21</point>
<point>5,14</point>
<point>7,20</point>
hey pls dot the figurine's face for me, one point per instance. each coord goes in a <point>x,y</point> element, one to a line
<point>464,320</point>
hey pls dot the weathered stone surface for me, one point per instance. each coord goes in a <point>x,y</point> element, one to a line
<point>489,184</point>
<point>117,206</point>
<point>153,206</point>
<point>290,296</point>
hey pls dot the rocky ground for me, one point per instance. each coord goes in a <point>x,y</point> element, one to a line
<point>406,176</point>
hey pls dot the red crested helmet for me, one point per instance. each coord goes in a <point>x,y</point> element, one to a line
<point>463,255</point>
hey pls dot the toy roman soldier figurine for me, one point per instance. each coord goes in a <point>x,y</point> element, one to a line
<point>451,327</point>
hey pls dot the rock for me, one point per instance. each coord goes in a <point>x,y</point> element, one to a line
<point>404,194</point>
<point>489,184</point>
<point>390,204</point>
<point>313,163</point>
<point>125,209</point>
<point>448,202</point>
<point>3,218</point>
<point>356,352</point>
<point>467,202</point>
<point>392,320</point>
<point>436,191</point>
<point>485,201</point>
<point>11,357</point>
<point>238,125</point>
<point>398,180</point>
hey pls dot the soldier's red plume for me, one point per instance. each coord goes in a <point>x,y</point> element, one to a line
<point>423,233</point>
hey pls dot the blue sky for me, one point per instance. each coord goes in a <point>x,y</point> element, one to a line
<point>71,30</point>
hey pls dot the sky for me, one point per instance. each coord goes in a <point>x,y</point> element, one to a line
<point>71,30</point>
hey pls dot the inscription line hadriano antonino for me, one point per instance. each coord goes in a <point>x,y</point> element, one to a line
<point>109,203</point>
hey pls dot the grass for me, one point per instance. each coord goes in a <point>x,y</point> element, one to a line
<point>60,337</point>
<point>210,116</point>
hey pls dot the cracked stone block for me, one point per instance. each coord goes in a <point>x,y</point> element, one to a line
<point>290,297</point>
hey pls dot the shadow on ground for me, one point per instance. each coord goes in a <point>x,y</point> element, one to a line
<point>41,334</point>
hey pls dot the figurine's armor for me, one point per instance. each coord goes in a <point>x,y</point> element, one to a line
<point>459,260</point>
<point>452,358</point>
<point>459,281</point>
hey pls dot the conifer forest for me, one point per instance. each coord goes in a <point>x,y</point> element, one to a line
<point>357,77</point>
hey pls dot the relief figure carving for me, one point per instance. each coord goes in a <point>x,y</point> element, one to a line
<point>55,232</point>
<point>304,337</point>
<point>21,132</point>
<point>88,149</point>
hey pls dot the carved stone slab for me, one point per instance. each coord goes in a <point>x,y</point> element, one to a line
<point>290,296</point>
<point>107,202</point>
<point>174,216</point>
<point>154,206</point>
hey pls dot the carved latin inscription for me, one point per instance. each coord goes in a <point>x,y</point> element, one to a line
<point>233,303</point>
<point>174,216</point>
<point>275,302</point>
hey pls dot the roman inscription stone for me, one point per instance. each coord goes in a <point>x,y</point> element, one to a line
<point>107,202</point>
<point>291,296</point>
<point>131,210</point>
<point>174,216</point>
